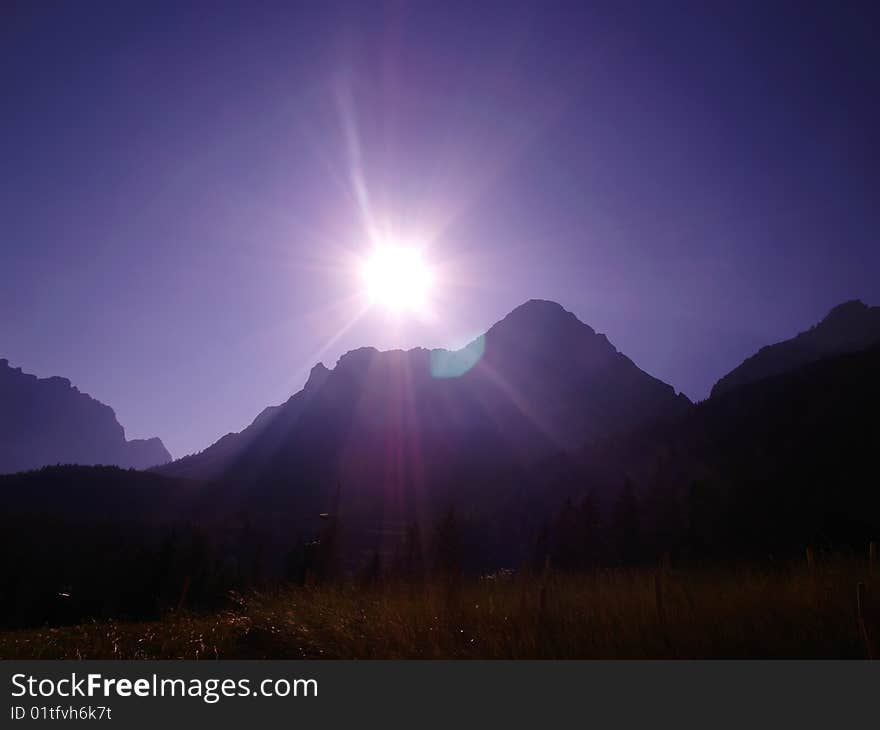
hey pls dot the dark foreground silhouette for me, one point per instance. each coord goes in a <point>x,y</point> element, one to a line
<point>823,606</point>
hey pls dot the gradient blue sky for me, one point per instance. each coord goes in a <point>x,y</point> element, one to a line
<point>179,208</point>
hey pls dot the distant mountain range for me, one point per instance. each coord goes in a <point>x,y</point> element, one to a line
<point>49,421</point>
<point>537,382</point>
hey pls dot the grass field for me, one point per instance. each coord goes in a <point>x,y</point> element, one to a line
<point>798,611</point>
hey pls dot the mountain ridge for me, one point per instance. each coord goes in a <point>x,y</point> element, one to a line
<point>49,420</point>
<point>521,383</point>
<point>848,327</point>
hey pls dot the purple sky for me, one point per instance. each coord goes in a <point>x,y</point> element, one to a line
<point>179,208</point>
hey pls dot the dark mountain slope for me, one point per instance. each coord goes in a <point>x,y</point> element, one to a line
<point>405,432</point>
<point>774,465</point>
<point>848,327</point>
<point>224,453</point>
<point>538,381</point>
<point>49,421</point>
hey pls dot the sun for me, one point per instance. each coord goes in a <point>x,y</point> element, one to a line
<point>397,278</point>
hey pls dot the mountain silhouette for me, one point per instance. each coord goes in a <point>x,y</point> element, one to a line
<point>849,327</point>
<point>769,466</point>
<point>403,433</point>
<point>49,421</point>
<point>387,448</point>
<point>538,381</point>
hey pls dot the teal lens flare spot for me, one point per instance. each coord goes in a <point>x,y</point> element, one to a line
<point>454,364</point>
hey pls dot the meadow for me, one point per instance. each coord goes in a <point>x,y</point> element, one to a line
<point>817,608</point>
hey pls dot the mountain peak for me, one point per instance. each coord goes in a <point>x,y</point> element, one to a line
<point>317,376</point>
<point>538,381</point>
<point>356,359</point>
<point>852,305</point>
<point>848,327</point>
<point>540,317</point>
<point>852,311</point>
<point>542,305</point>
<point>49,420</point>
<point>546,309</point>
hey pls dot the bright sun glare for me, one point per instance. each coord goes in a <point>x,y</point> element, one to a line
<point>397,278</point>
